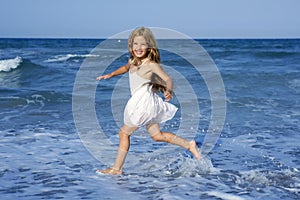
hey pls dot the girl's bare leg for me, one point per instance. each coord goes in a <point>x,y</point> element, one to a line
<point>117,167</point>
<point>121,155</point>
<point>159,136</point>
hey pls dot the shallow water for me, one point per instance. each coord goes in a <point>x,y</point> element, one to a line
<point>256,156</point>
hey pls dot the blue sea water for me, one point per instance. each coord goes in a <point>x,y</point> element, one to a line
<point>256,156</point>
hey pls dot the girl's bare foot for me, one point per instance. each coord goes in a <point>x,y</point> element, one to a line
<point>194,149</point>
<point>111,171</point>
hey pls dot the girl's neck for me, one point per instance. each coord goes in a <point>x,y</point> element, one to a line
<point>139,61</point>
<point>143,61</point>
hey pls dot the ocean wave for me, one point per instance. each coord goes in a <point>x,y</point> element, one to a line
<point>63,58</point>
<point>294,85</point>
<point>7,65</point>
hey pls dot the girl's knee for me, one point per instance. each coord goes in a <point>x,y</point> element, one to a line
<point>153,130</point>
<point>123,135</point>
<point>157,137</point>
<point>127,131</point>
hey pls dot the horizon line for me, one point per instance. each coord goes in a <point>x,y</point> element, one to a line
<point>195,38</point>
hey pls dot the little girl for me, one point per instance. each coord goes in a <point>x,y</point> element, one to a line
<point>145,107</point>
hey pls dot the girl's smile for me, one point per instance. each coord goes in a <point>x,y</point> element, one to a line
<point>140,46</point>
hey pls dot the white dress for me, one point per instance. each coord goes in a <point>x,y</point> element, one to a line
<point>144,106</point>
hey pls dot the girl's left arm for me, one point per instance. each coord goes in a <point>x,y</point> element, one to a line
<point>156,68</point>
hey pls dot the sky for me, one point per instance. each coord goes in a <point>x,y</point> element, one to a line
<point>104,18</point>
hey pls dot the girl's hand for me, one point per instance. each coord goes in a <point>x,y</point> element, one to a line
<point>107,76</point>
<point>168,95</point>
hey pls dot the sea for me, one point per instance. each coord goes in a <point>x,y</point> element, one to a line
<point>46,154</point>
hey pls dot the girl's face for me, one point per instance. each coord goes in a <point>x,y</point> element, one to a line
<point>140,47</point>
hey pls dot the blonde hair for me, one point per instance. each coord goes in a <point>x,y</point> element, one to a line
<point>153,52</point>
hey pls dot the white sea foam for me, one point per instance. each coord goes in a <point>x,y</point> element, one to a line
<point>225,196</point>
<point>62,58</point>
<point>10,64</point>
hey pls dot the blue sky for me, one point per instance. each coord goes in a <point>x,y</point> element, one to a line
<point>195,18</point>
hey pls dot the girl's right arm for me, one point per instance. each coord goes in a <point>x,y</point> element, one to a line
<point>121,70</point>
